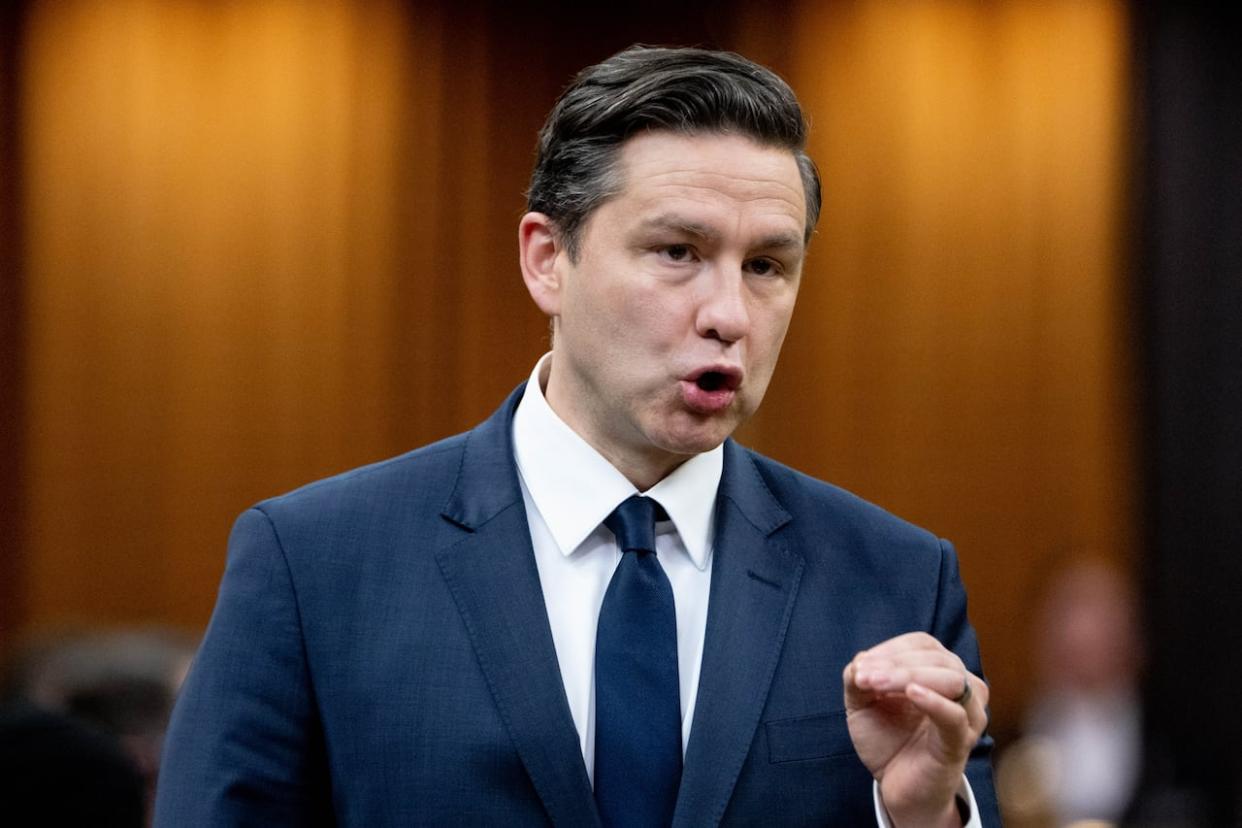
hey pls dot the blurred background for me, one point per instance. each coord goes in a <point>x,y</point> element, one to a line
<point>244,245</point>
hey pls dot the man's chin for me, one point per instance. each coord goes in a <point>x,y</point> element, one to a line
<point>692,441</point>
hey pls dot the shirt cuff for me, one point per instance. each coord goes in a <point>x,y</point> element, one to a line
<point>965,797</point>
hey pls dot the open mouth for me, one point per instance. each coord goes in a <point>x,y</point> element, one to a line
<point>716,380</point>
<point>711,391</point>
<point>725,378</point>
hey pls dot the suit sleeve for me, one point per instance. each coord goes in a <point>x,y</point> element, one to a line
<point>951,627</point>
<point>244,746</point>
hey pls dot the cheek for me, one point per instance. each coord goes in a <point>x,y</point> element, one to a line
<point>594,308</point>
<point>771,334</point>
<point>655,317</point>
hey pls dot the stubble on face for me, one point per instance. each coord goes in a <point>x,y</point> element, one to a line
<point>685,280</point>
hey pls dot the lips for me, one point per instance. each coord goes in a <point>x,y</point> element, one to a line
<point>711,389</point>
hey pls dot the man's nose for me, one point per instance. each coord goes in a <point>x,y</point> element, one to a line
<point>723,312</point>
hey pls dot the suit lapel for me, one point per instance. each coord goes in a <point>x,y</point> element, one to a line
<point>492,577</point>
<point>754,584</point>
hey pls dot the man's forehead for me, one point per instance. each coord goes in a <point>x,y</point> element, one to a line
<point>701,184</point>
<point>665,165</point>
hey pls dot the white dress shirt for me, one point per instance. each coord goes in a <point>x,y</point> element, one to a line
<point>569,489</point>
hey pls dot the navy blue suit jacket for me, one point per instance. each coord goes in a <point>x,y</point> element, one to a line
<point>380,654</point>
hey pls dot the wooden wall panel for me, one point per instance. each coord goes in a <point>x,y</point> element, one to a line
<point>12,384</point>
<point>263,246</point>
<point>959,350</point>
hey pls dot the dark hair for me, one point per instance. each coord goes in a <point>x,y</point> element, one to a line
<point>687,91</point>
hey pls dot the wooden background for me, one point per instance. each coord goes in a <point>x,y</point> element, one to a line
<point>256,243</point>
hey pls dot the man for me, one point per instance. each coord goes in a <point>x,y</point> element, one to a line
<point>499,629</point>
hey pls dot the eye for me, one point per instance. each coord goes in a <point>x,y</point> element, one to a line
<point>764,267</point>
<point>677,252</point>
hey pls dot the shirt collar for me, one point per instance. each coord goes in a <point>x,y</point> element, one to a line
<point>575,488</point>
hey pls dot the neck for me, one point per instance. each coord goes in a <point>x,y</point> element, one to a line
<point>643,475</point>
<point>642,468</point>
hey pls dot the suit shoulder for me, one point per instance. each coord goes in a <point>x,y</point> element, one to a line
<point>415,475</point>
<point>820,502</point>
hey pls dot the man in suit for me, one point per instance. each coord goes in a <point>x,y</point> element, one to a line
<point>595,607</point>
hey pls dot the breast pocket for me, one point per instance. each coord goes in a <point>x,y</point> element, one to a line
<point>809,737</point>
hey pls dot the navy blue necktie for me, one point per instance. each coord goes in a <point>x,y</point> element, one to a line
<point>637,696</point>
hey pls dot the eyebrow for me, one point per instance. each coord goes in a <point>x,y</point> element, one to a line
<point>781,241</point>
<point>681,225</point>
<point>776,241</point>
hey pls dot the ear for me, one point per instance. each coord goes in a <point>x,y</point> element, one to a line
<point>539,253</point>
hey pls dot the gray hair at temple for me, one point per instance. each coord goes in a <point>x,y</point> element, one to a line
<point>688,91</point>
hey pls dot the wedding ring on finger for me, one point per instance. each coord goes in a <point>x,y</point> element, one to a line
<point>964,698</point>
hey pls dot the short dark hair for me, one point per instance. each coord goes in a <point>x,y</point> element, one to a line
<point>687,91</point>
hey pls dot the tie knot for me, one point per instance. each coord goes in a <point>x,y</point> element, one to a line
<point>633,522</point>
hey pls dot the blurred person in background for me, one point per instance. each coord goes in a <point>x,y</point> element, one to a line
<point>56,770</point>
<point>70,695</point>
<point>1081,757</point>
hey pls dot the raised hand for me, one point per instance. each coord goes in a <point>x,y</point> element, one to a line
<point>914,713</point>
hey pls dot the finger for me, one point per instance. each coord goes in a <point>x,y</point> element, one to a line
<point>889,677</point>
<point>898,669</point>
<point>849,678</point>
<point>951,720</point>
<point>938,668</point>
<point>856,694</point>
<point>980,693</point>
<point>946,681</point>
<point>975,702</point>
<point>914,658</point>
